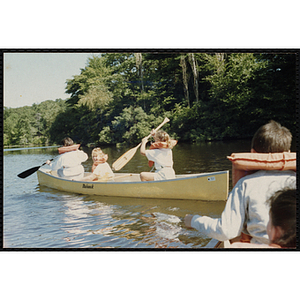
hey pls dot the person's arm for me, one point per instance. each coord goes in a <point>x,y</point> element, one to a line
<point>82,155</point>
<point>231,222</point>
<point>144,142</point>
<point>56,163</point>
<point>143,146</point>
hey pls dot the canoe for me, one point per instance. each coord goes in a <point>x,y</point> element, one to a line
<point>204,186</point>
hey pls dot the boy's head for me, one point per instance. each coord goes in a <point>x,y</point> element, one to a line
<point>281,228</point>
<point>98,156</point>
<point>67,141</point>
<point>271,138</point>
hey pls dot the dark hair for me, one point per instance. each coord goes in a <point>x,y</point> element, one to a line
<point>283,214</point>
<point>67,141</point>
<point>271,138</point>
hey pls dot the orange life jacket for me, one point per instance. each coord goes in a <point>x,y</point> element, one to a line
<point>65,149</point>
<point>161,145</point>
<point>102,161</point>
<point>247,163</point>
<point>242,238</point>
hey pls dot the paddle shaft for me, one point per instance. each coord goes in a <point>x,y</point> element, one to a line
<point>166,120</point>
<point>31,171</point>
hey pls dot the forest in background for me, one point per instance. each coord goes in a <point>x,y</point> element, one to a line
<point>118,97</point>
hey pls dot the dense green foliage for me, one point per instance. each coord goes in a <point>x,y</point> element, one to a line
<point>31,124</point>
<point>119,97</point>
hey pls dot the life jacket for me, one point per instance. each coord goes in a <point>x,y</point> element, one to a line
<point>161,145</point>
<point>242,238</point>
<point>102,161</point>
<point>247,163</point>
<point>65,149</point>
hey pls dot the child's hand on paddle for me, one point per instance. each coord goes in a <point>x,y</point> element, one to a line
<point>153,132</point>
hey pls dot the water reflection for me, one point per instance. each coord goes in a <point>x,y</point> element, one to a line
<point>96,221</point>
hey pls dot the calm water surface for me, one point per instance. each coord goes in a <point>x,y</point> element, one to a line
<point>40,217</point>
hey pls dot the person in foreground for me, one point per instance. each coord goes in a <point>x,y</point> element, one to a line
<point>100,169</point>
<point>281,228</point>
<point>246,212</point>
<point>68,164</point>
<point>159,154</point>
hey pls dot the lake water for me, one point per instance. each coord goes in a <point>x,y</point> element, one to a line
<point>39,217</point>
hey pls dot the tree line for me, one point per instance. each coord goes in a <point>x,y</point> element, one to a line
<point>118,97</point>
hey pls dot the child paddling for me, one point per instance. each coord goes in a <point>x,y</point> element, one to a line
<point>159,154</point>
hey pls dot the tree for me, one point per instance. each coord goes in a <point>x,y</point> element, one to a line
<point>232,77</point>
<point>275,90</point>
<point>185,79</point>
<point>207,96</point>
<point>193,63</point>
<point>129,127</point>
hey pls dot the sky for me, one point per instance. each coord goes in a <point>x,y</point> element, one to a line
<point>35,77</point>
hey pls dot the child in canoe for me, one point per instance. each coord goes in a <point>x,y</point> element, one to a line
<point>282,226</point>
<point>100,169</point>
<point>68,164</point>
<point>159,154</point>
<point>246,213</point>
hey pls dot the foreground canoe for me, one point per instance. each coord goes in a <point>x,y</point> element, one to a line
<point>204,186</point>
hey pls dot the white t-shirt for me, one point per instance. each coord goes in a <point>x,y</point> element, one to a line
<point>246,208</point>
<point>163,162</point>
<point>161,157</point>
<point>103,171</point>
<point>69,164</point>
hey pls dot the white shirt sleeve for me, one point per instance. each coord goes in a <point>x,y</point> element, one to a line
<point>232,219</point>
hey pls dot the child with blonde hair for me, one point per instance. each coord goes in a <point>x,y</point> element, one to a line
<point>159,154</point>
<point>100,168</point>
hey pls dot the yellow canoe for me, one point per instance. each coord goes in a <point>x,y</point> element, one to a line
<point>204,186</point>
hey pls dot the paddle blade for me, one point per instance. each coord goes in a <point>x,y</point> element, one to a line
<point>28,172</point>
<point>124,159</point>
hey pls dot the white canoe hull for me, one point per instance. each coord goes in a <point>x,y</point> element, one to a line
<point>204,186</point>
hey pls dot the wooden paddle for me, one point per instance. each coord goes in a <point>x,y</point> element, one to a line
<point>127,156</point>
<point>30,171</point>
